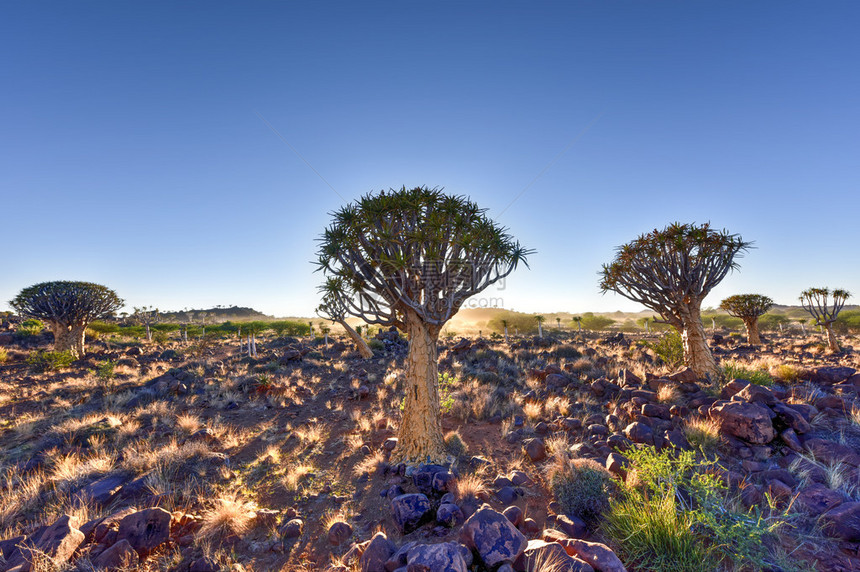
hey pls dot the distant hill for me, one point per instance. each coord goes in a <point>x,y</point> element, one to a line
<point>212,315</point>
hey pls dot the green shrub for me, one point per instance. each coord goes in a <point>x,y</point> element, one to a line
<point>43,361</point>
<point>4,355</point>
<point>376,345</point>
<point>733,370</point>
<point>566,352</point>
<point>677,516</point>
<point>29,328</point>
<point>594,323</point>
<point>289,328</point>
<point>105,370</point>
<point>582,487</point>
<point>669,348</point>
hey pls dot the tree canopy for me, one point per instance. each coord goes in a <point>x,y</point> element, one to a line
<point>69,303</point>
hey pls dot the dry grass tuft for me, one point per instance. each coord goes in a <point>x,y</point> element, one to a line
<point>230,515</point>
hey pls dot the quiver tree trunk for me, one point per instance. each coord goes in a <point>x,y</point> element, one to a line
<point>360,344</point>
<point>831,338</point>
<point>420,438</point>
<point>697,354</point>
<point>752,331</point>
<point>69,338</point>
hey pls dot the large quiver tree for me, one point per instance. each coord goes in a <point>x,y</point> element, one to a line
<point>817,301</point>
<point>409,258</point>
<point>748,307</point>
<point>671,271</point>
<point>333,308</point>
<point>67,307</point>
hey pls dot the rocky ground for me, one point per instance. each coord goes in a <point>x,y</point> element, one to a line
<point>197,457</point>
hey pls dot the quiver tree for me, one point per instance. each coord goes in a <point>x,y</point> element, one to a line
<point>540,320</point>
<point>146,316</point>
<point>409,258</point>
<point>671,271</point>
<point>334,309</point>
<point>748,307</point>
<point>817,301</point>
<point>67,308</point>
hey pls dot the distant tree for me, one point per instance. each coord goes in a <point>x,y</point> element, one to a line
<point>802,322</point>
<point>334,309</point>
<point>558,322</point>
<point>578,321</point>
<point>410,259</point>
<point>595,323</point>
<point>748,307</point>
<point>771,322</point>
<point>67,308</point>
<point>671,271</point>
<point>817,301</point>
<point>505,325</point>
<point>540,320</point>
<point>146,316</point>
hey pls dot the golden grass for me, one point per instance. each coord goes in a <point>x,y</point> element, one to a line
<point>470,486</point>
<point>294,476</point>
<point>532,410</point>
<point>702,433</point>
<point>230,515</point>
<point>668,394</point>
<point>370,464</point>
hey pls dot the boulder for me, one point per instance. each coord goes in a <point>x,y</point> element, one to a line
<point>449,514</point>
<point>57,541</point>
<point>376,554</point>
<point>832,374</point>
<point>145,530</point>
<point>747,421</point>
<point>639,433</point>
<point>817,499</point>
<point>535,449</point>
<point>339,532</point>
<point>103,490</point>
<point>444,557</point>
<point>410,510</point>
<point>424,475</point>
<point>597,555</point>
<point>843,521</point>
<point>753,393</point>
<point>831,452</point>
<point>493,537</point>
<point>119,555</point>
<point>790,417</point>
<point>292,528</point>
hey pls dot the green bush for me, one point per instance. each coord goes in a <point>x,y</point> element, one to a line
<point>289,328</point>
<point>566,352</point>
<point>4,355</point>
<point>376,345</point>
<point>594,323</point>
<point>455,445</point>
<point>29,328</point>
<point>848,321</point>
<point>105,370</point>
<point>43,361</point>
<point>733,370</point>
<point>582,487</point>
<point>678,516</point>
<point>669,348</point>
<point>103,328</point>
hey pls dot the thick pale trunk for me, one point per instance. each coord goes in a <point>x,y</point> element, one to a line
<point>69,338</point>
<point>360,344</point>
<point>697,355</point>
<point>148,333</point>
<point>506,335</point>
<point>752,331</point>
<point>803,329</point>
<point>831,338</point>
<point>540,330</point>
<point>421,428</point>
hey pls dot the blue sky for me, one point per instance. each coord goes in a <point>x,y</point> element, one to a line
<point>133,153</point>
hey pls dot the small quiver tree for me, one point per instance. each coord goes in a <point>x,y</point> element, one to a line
<point>540,320</point>
<point>671,271</point>
<point>334,309</point>
<point>410,258</point>
<point>748,307</point>
<point>67,308</point>
<point>817,301</point>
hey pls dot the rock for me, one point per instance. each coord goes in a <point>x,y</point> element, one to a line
<point>529,527</point>
<point>339,532</point>
<point>752,393</point>
<point>817,499</point>
<point>449,514</point>
<point>843,521</point>
<point>57,541</point>
<point>118,555</point>
<point>410,511</point>
<point>571,525</point>
<point>556,381</point>
<point>389,444</point>
<point>204,564</point>
<point>832,374</point>
<point>617,465</point>
<point>519,478</point>
<point>598,556</point>
<point>376,554</point>
<point>830,452</point>
<point>444,557</point>
<point>535,449</point>
<point>493,537</point>
<point>507,495</point>
<point>292,528</point>
<point>639,433</point>
<point>789,437</point>
<point>746,421</point>
<point>540,555</point>
<point>145,530</point>
<point>514,514</point>
<point>789,417</point>
<point>103,490</point>
<point>423,477</point>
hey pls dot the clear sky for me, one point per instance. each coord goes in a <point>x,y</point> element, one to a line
<point>136,152</point>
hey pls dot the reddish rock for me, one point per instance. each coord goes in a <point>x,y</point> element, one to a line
<point>685,375</point>
<point>58,541</point>
<point>639,433</point>
<point>376,554</point>
<point>493,537</point>
<point>535,449</point>
<point>598,556</point>
<point>752,393</point>
<point>843,521</point>
<point>831,452</point>
<point>119,555</point>
<point>746,421</point>
<point>617,465</point>
<point>817,499</point>
<point>145,530</point>
<point>338,533</point>
<point>541,555</point>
